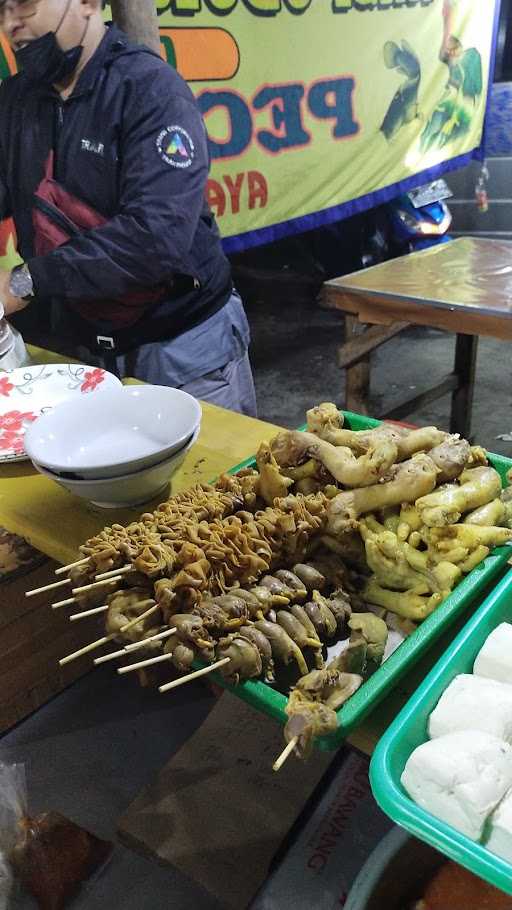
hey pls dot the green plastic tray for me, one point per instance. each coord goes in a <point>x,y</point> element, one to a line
<point>264,698</point>
<point>409,730</point>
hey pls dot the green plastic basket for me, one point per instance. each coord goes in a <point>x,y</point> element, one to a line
<point>265,699</point>
<point>409,730</point>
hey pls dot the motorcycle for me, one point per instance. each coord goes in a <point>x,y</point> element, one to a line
<point>412,221</point>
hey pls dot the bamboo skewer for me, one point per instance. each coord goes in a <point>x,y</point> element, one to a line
<point>86,613</point>
<point>63,603</point>
<point>51,587</point>
<point>72,565</point>
<point>136,646</point>
<point>195,675</point>
<point>144,663</point>
<point>113,572</point>
<point>106,638</point>
<point>95,584</point>
<point>285,754</point>
<point>82,651</point>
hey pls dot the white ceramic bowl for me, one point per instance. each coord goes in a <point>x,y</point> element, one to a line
<point>128,490</point>
<point>115,433</point>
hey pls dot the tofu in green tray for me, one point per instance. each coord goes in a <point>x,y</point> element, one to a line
<point>443,769</point>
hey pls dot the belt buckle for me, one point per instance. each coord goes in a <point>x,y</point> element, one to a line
<point>105,341</point>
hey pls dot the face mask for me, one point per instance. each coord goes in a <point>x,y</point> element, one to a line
<point>45,62</point>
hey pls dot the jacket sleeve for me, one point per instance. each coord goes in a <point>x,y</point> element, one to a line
<point>163,174</point>
<point>5,199</point>
<point>5,205</point>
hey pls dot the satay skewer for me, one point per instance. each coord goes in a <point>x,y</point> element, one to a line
<point>195,675</point>
<point>144,663</point>
<point>102,641</point>
<point>51,587</point>
<point>113,572</point>
<point>72,565</point>
<point>285,754</point>
<point>83,589</point>
<point>136,646</point>
<point>86,613</point>
<point>63,603</point>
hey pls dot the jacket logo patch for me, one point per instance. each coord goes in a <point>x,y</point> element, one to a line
<point>89,145</point>
<point>175,147</point>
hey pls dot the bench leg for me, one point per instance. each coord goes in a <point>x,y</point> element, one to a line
<point>357,387</point>
<point>466,348</point>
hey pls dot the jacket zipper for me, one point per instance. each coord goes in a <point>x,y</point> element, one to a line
<point>59,123</point>
<point>55,215</point>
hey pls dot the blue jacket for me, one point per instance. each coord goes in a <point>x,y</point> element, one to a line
<point>129,146</point>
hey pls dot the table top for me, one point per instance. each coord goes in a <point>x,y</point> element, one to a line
<point>468,273</point>
<point>468,279</point>
<point>56,522</point>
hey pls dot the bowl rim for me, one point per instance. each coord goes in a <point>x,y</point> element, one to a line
<point>135,391</point>
<point>103,481</point>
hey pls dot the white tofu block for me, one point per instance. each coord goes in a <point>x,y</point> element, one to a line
<point>499,837</point>
<point>473,703</point>
<point>460,778</point>
<point>494,660</point>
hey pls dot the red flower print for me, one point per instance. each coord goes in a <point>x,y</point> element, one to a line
<point>5,386</point>
<point>12,441</point>
<point>13,421</point>
<point>18,445</point>
<point>92,379</point>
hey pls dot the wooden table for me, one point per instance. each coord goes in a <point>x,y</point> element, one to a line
<point>56,522</point>
<point>464,286</point>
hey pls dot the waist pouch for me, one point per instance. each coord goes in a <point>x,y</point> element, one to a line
<point>57,217</point>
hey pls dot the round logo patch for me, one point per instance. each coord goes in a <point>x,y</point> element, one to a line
<point>175,146</point>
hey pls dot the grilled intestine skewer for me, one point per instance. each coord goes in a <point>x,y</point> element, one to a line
<point>228,612</point>
<point>237,608</point>
<point>111,636</point>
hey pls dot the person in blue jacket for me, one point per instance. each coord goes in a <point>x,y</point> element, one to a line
<point>103,167</point>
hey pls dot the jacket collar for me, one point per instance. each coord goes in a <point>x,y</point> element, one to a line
<point>113,43</point>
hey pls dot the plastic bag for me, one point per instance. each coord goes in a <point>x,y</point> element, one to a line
<point>51,855</point>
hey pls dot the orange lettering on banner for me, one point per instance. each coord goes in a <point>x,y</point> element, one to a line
<point>218,196</point>
<point>234,190</point>
<point>201,54</point>
<point>258,190</point>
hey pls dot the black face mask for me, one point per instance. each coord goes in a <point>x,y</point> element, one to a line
<point>45,62</point>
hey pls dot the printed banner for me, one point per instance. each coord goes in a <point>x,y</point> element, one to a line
<point>316,109</point>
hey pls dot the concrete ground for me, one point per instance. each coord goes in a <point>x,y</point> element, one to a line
<point>90,751</point>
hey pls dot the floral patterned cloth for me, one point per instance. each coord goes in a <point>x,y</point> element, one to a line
<point>17,557</point>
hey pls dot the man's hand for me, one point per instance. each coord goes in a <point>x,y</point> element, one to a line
<point>10,304</point>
